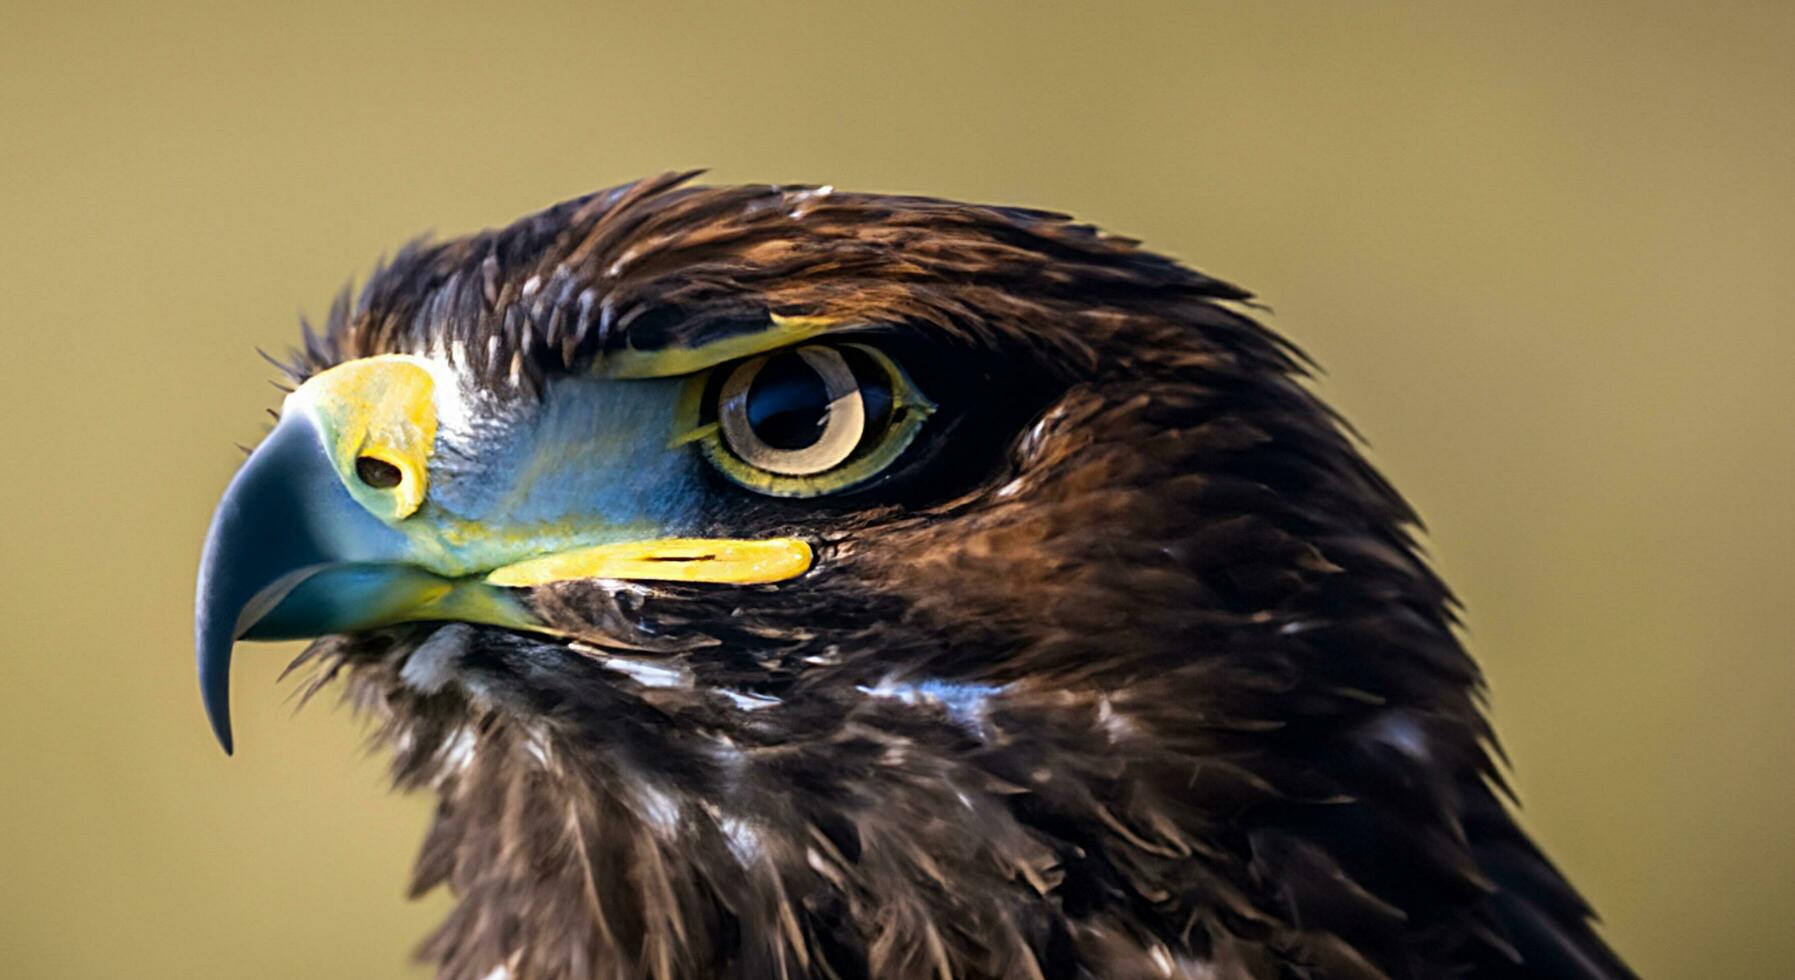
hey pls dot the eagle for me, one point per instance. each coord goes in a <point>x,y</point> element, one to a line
<point>779,582</point>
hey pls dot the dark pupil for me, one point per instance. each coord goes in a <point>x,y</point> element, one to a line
<point>787,403</point>
<point>377,473</point>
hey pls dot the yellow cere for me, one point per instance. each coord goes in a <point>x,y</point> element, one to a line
<point>723,560</point>
<point>382,407</point>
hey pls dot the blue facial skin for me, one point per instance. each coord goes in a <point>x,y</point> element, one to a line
<point>591,464</point>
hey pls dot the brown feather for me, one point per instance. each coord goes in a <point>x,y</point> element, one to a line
<point>1221,724</point>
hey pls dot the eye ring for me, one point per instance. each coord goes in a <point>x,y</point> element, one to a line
<point>843,420</point>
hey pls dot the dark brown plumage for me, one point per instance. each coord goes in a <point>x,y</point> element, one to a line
<point>1131,668</point>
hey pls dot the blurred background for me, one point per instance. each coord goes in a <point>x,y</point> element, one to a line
<point>1543,251</point>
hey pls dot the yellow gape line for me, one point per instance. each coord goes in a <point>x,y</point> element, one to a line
<point>374,411</point>
<point>722,560</point>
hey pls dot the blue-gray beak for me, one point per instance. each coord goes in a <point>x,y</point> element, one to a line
<point>290,555</point>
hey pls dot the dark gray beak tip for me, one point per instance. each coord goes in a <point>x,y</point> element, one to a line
<point>215,691</point>
<point>214,635</point>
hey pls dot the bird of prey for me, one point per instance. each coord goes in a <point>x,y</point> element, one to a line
<point>778,582</point>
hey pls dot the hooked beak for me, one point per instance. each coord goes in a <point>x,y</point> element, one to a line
<point>291,555</point>
<point>302,545</point>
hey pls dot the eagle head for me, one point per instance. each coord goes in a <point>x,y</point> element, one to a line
<point>777,581</point>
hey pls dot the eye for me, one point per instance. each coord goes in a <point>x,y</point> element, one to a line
<point>795,413</point>
<point>807,421</point>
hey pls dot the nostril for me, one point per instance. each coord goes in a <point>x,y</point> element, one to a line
<point>377,472</point>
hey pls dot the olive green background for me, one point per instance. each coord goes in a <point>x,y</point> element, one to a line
<point>1544,252</point>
